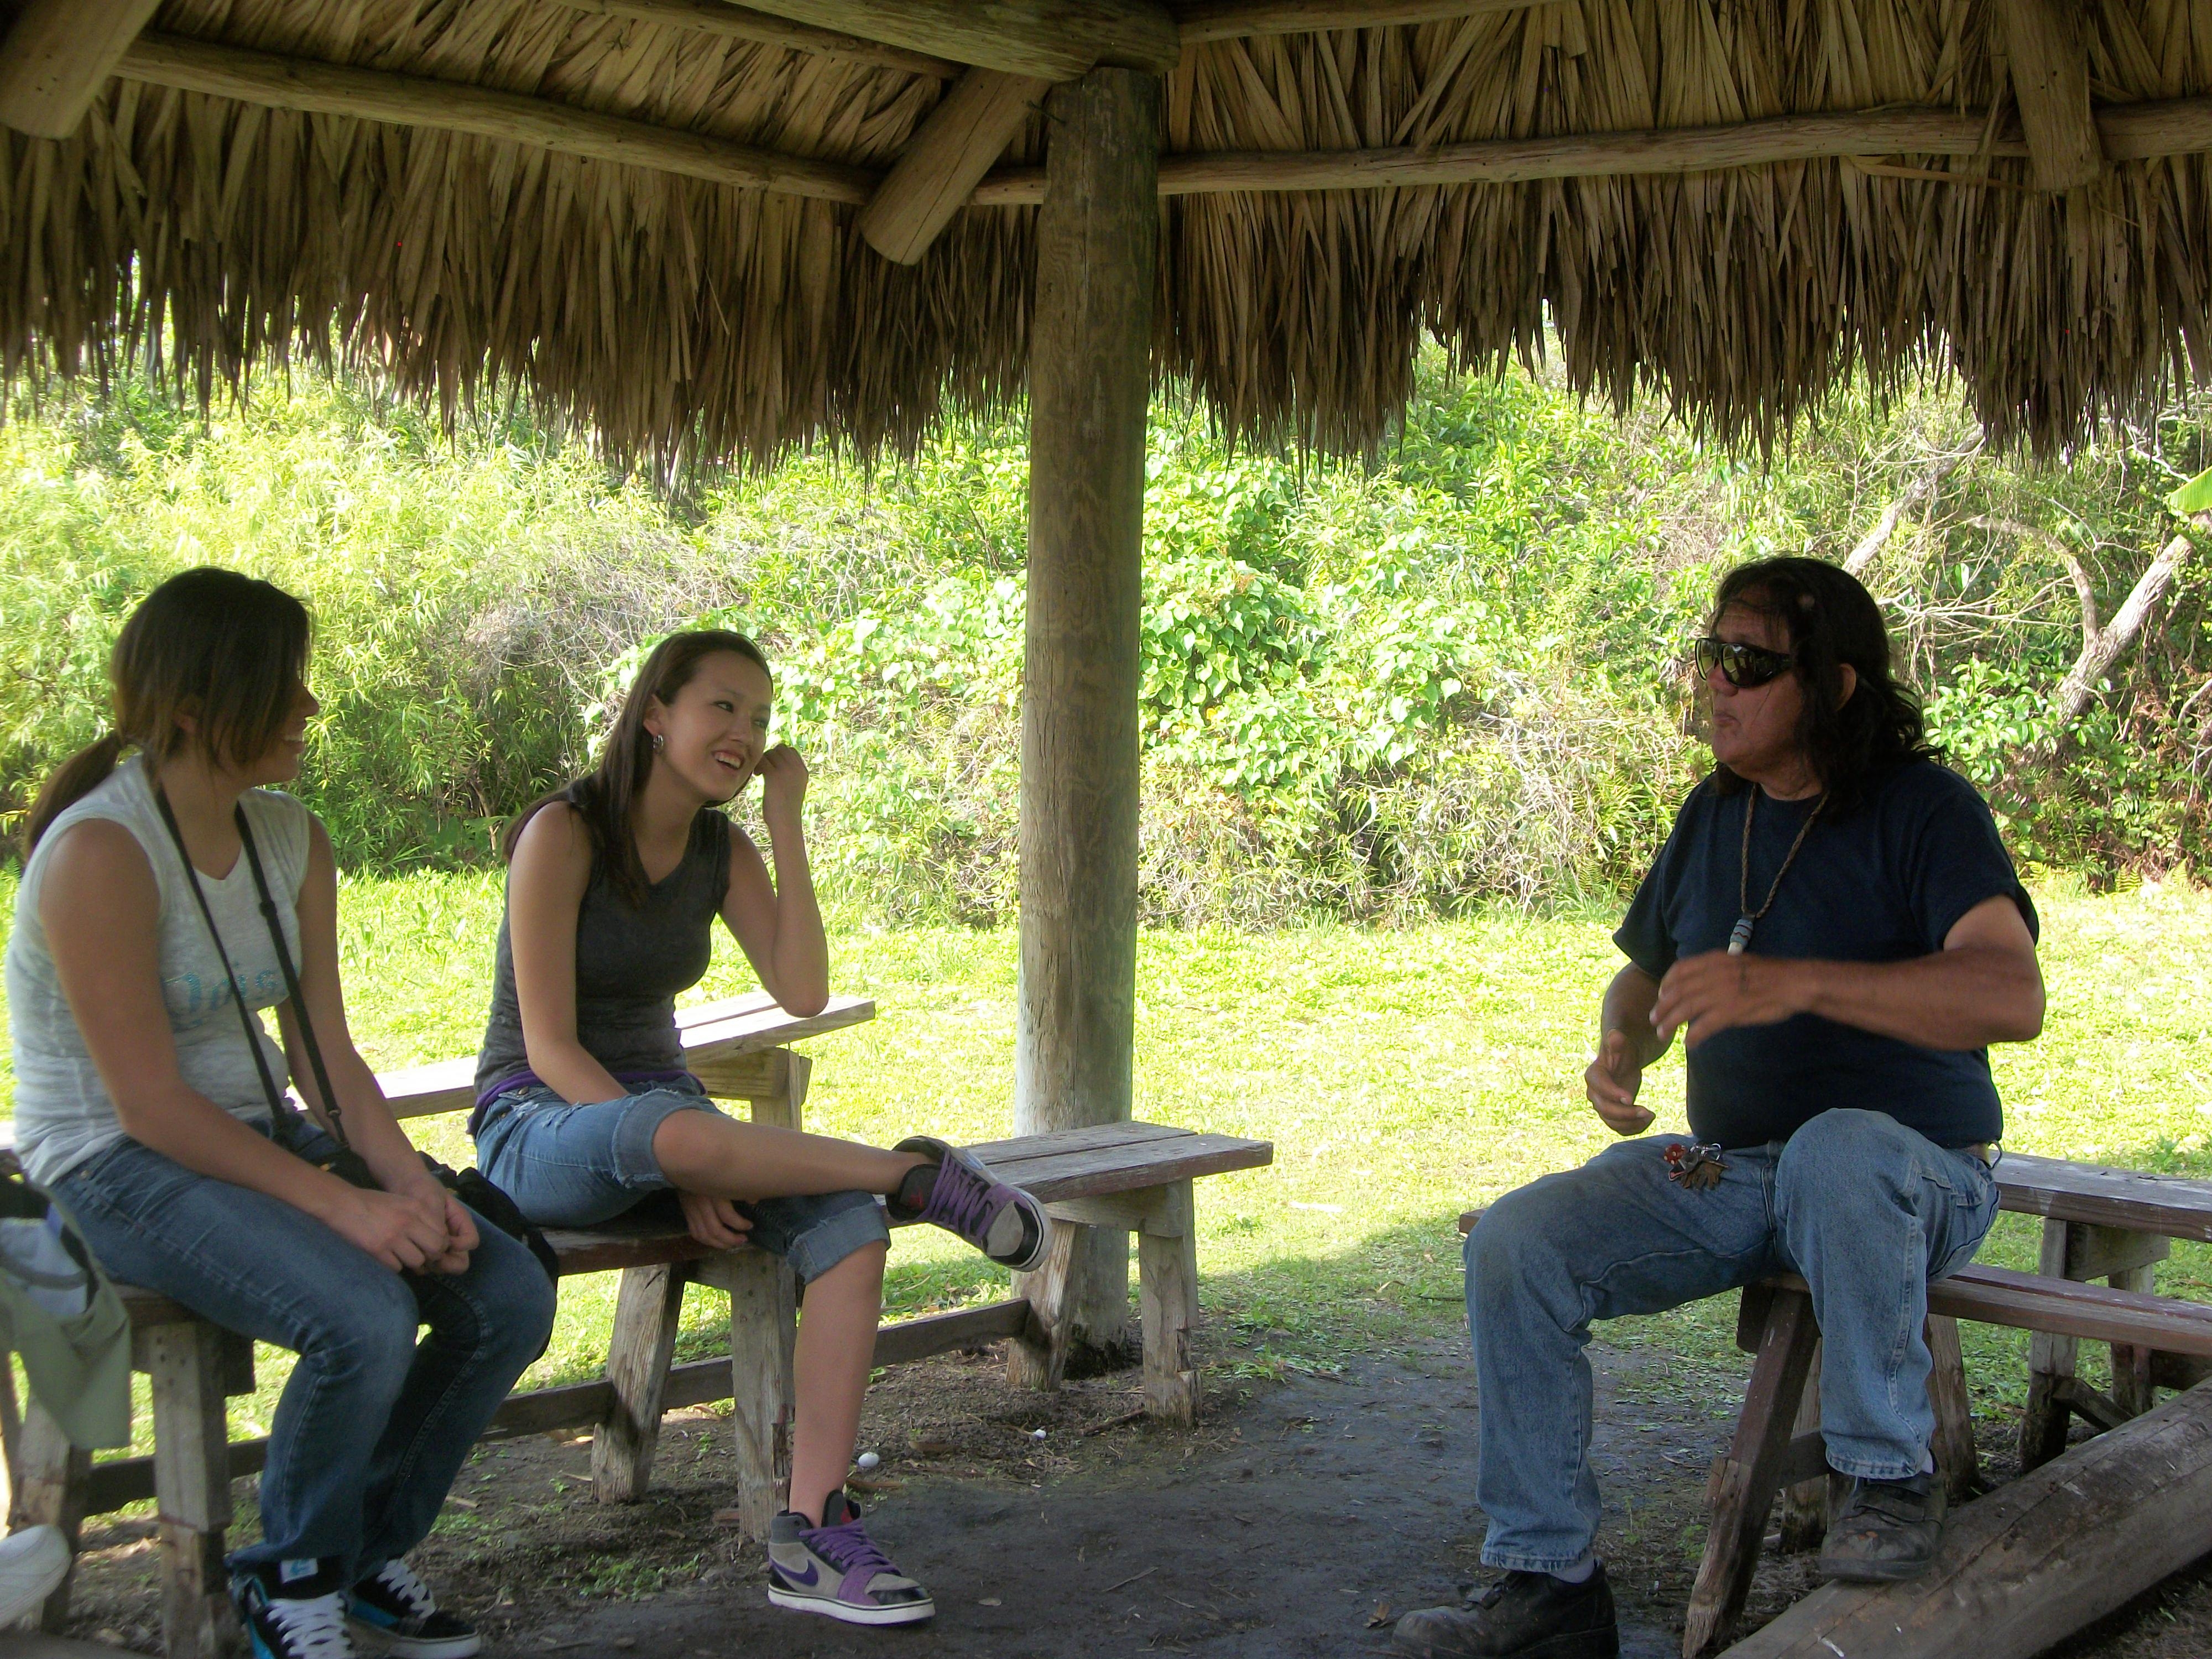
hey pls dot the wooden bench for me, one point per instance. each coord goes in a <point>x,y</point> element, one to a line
<point>1135,1176</point>
<point>1778,1446</point>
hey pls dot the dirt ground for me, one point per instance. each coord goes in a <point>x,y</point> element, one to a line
<point>1299,1519</point>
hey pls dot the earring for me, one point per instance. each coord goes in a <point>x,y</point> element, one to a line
<point>659,743</point>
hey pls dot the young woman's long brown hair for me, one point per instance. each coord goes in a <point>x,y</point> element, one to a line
<point>228,650</point>
<point>605,797</point>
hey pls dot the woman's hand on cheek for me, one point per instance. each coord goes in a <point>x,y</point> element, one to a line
<point>783,777</point>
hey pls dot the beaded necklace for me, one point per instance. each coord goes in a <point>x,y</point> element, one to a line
<point>1739,935</point>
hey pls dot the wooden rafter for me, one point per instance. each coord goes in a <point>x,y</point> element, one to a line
<point>969,130</point>
<point>1052,39</point>
<point>58,55</point>
<point>1201,21</point>
<point>736,23</point>
<point>2051,84</point>
<point>256,77</point>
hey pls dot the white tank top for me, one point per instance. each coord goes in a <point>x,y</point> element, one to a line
<point>62,1112</point>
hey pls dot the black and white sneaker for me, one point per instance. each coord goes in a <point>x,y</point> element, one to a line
<point>397,1612</point>
<point>293,1610</point>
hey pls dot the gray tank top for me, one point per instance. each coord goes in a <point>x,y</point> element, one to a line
<point>632,962</point>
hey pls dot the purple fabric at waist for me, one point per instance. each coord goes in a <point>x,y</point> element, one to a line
<point>635,1082</point>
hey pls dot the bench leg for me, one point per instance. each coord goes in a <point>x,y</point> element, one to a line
<point>49,1480</point>
<point>764,1324</point>
<point>1037,1358</point>
<point>1804,1507</point>
<point>1952,1443</point>
<point>2050,1362</point>
<point>189,1365</point>
<point>2131,1385</point>
<point>648,1307</point>
<point>1167,1269</point>
<point>1743,1484</point>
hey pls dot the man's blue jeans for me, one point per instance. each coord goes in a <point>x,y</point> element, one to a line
<point>1866,1209</point>
<point>372,1425</point>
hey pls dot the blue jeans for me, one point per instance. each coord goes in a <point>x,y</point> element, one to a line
<point>577,1166</point>
<point>372,1425</point>
<point>1866,1209</point>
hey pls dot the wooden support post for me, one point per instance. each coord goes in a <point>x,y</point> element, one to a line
<point>58,55</point>
<point>763,1324</point>
<point>187,1365</point>
<point>2051,84</point>
<point>1743,1483</point>
<point>2080,1251</point>
<point>1089,391</point>
<point>1804,1507</point>
<point>51,1477</point>
<point>784,1107</point>
<point>1953,1445</point>
<point>648,1307</point>
<point>1037,1357</point>
<point>1167,1265</point>
<point>2035,1560</point>
<point>946,160</point>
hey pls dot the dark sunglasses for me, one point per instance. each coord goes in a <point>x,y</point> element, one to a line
<point>1741,665</point>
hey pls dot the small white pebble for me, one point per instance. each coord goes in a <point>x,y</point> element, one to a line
<point>868,1460</point>
<point>1038,1434</point>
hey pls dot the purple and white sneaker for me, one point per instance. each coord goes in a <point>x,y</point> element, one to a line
<point>836,1569</point>
<point>961,1197</point>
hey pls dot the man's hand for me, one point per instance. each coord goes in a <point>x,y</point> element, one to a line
<point>1704,995</point>
<point>714,1222</point>
<point>1612,1082</point>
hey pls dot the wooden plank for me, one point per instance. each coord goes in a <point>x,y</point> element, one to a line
<point>1090,379</point>
<point>946,159</point>
<point>763,1314</point>
<point>1037,1357</point>
<point>1202,21</point>
<point>1082,1175</point>
<point>729,22</point>
<point>1052,39</point>
<point>2174,1207</point>
<point>1952,1446</point>
<point>2051,84</point>
<point>584,1405</point>
<point>57,56</point>
<point>49,1489</point>
<point>1167,1266</point>
<point>1124,1133</point>
<point>2038,1558</point>
<point>725,1038</point>
<point>298,83</point>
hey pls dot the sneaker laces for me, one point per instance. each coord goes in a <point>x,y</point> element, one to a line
<point>403,1581</point>
<point>314,1627</point>
<point>847,1547</point>
<point>1894,1500</point>
<point>966,1209</point>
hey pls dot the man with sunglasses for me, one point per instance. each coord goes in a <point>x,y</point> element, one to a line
<point>1834,926</point>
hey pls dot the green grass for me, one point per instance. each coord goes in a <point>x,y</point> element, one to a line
<point>1401,1075</point>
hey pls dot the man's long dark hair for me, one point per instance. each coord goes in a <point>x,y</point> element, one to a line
<point>605,797</point>
<point>1831,620</point>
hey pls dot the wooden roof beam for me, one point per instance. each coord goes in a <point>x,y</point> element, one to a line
<point>946,159</point>
<point>1050,39</point>
<point>257,77</point>
<point>58,55</point>
<point>732,22</point>
<point>2051,84</point>
<point>1201,21</point>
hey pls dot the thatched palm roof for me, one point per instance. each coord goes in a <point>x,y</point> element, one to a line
<point>680,314</point>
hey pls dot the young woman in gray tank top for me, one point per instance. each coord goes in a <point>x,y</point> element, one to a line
<point>584,1108</point>
<point>144,1103</point>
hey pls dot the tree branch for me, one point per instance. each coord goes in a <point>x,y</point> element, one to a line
<point>1920,490</point>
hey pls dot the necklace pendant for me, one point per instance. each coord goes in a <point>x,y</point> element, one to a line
<point>1739,936</point>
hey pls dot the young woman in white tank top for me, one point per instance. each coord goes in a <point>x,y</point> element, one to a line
<point>143,1106</point>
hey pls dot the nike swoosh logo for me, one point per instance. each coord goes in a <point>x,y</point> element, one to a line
<point>807,1581</point>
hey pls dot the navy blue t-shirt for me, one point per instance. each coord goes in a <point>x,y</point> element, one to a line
<point>1885,883</point>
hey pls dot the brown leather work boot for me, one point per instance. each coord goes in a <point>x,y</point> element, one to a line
<point>1524,1615</point>
<point>1887,1531</point>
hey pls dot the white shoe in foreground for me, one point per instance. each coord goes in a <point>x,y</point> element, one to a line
<point>33,1562</point>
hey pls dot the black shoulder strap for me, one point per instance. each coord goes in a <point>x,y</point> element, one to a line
<point>246,1022</point>
<point>330,1109</point>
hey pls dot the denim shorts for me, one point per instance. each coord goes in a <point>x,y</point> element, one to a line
<point>578,1166</point>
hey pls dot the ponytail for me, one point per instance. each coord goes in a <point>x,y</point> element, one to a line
<point>76,778</point>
